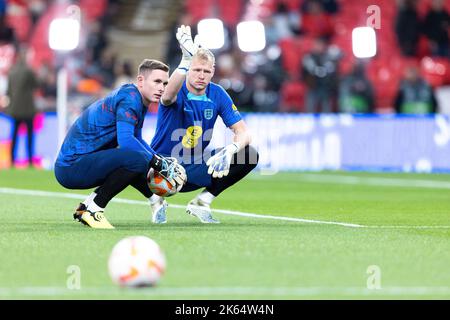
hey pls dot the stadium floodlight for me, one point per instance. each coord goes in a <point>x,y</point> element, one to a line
<point>64,34</point>
<point>364,42</point>
<point>251,36</point>
<point>211,33</point>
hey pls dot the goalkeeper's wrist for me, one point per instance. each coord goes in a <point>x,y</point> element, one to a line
<point>184,65</point>
<point>233,148</point>
<point>156,162</point>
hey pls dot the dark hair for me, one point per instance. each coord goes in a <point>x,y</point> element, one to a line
<point>148,65</point>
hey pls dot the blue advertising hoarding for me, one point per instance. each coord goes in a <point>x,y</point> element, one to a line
<point>299,142</point>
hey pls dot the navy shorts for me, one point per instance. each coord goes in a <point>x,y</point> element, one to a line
<point>197,177</point>
<point>91,170</point>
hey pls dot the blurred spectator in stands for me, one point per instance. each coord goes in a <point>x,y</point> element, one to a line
<point>270,30</point>
<point>415,95</point>
<point>2,7</point>
<point>6,33</point>
<point>94,75</point>
<point>282,24</point>
<point>320,73</point>
<point>436,26</point>
<point>268,80</point>
<point>407,27</point>
<point>46,100</point>
<point>264,99</point>
<point>36,8</point>
<point>112,10</point>
<point>330,6</point>
<point>356,92</point>
<point>172,55</point>
<point>229,75</point>
<point>22,82</point>
<point>316,22</point>
<point>271,67</point>
<point>8,47</point>
<point>107,66</point>
<point>124,73</point>
<point>96,41</point>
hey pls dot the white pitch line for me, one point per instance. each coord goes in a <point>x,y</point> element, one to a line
<point>77,196</point>
<point>137,202</point>
<point>218,291</point>
<point>408,227</point>
<point>372,181</point>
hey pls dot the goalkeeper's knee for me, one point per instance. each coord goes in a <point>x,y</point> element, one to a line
<point>248,156</point>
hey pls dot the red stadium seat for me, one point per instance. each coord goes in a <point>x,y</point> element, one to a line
<point>18,18</point>
<point>385,80</point>
<point>423,47</point>
<point>200,9</point>
<point>344,42</point>
<point>321,25</point>
<point>435,70</point>
<point>346,64</point>
<point>21,25</point>
<point>292,52</point>
<point>92,10</point>
<point>230,11</point>
<point>292,96</point>
<point>290,55</point>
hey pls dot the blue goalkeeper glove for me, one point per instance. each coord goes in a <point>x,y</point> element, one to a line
<point>170,169</point>
<point>219,164</point>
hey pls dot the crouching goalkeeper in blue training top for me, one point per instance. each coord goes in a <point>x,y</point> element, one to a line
<point>104,147</point>
<point>187,112</point>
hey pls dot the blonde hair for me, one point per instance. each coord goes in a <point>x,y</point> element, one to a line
<point>205,54</point>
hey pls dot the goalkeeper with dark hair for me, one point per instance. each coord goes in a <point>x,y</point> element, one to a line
<point>104,147</point>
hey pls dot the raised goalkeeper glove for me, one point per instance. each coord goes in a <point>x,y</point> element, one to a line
<point>170,169</point>
<point>188,47</point>
<point>219,164</point>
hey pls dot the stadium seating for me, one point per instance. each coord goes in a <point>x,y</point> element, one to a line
<point>93,10</point>
<point>292,96</point>
<point>385,75</point>
<point>292,52</point>
<point>293,5</point>
<point>18,18</point>
<point>424,6</point>
<point>385,70</point>
<point>199,9</point>
<point>230,11</point>
<point>436,71</point>
<point>39,36</point>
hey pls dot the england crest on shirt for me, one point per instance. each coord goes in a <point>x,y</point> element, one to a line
<point>208,113</point>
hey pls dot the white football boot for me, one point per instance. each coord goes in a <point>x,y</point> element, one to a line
<point>201,210</point>
<point>159,211</point>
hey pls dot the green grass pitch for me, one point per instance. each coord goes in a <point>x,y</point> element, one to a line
<point>403,228</point>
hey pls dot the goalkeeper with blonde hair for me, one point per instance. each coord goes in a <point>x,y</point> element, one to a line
<point>187,113</point>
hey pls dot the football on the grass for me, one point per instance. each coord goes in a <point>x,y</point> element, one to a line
<point>136,262</point>
<point>159,185</point>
